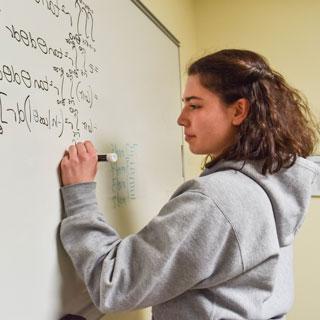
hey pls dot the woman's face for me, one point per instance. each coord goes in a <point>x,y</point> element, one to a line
<point>207,121</point>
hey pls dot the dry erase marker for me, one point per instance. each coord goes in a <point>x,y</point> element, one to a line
<point>72,317</point>
<point>110,157</point>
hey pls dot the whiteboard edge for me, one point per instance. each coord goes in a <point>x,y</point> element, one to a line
<point>156,21</point>
<point>161,26</point>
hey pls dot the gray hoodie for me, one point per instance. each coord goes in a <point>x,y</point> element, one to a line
<point>221,248</point>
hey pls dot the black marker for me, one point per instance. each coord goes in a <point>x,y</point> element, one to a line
<point>72,317</point>
<point>110,157</point>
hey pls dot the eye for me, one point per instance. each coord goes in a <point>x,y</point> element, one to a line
<point>194,106</point>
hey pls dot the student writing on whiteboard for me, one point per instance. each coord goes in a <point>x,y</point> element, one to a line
<point>221,248</point>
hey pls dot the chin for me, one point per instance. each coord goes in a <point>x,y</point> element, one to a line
<point>197,151</point>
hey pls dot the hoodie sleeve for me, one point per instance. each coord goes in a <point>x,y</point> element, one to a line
<point>188,242</point>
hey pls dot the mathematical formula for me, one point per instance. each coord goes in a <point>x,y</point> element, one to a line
<point>67,82</point>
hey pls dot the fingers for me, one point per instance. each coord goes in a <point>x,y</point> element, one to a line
<point>90,147</point>
<point>79,164</point>
<point>81,150</point>
<point>72,152</point>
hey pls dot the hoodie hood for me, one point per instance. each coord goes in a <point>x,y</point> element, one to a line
<point>289,191</point>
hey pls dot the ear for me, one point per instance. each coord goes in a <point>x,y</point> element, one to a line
<point>240,111</point>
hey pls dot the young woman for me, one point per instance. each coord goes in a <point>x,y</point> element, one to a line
<point>221,248</point>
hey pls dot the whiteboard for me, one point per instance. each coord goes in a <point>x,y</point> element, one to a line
<point>72,70</point>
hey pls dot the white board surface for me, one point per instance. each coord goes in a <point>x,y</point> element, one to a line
<point>72,70</point>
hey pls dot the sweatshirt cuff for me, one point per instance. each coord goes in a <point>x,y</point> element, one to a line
<point>80,198</point>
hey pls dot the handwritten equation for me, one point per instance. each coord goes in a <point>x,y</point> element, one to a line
<point>124,174</point>
<point>67,83</point>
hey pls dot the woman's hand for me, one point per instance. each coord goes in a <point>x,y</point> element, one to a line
<point>79,164</point>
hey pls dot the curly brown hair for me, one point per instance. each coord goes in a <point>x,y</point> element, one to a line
<point>279,126</point>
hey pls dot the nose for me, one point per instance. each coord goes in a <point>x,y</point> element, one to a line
<point>182,119</point>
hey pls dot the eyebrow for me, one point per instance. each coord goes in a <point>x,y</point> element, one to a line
<point>187,99</point>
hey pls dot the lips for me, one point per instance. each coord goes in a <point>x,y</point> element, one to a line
<point>188,137</point>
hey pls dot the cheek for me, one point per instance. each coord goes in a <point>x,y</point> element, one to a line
<point>213,122</point>
<point>218,128</point>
